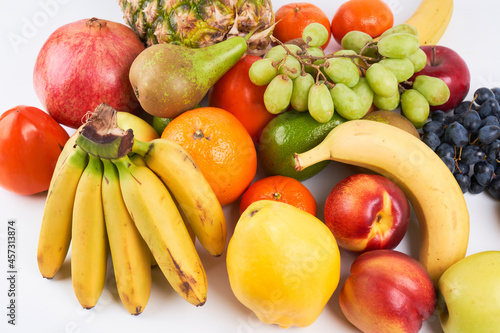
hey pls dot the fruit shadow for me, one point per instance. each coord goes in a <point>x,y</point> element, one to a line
<point>216,269</point>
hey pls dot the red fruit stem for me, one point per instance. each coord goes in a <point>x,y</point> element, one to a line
<point>96,25</point>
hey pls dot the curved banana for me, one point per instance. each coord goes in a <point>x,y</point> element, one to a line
<point>161,226</point>
<point>430,186</point>
<point>55,233</point>
<point>89,244</point>
<point>195,197</point>
<point>129,252</point>
<point>431,20</point>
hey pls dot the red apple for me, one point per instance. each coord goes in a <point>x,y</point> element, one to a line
<point>446,64</point>
<point>387,291</point>
<point>367,212</point>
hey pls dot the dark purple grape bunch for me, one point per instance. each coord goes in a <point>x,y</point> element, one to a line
<point>467,139</point>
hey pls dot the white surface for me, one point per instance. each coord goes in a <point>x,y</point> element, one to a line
<point>50,305</point>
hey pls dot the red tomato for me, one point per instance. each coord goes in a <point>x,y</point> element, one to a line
<point>234,92</point>
<point>30,143</point>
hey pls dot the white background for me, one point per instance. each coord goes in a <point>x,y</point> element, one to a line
<point>50,305</point>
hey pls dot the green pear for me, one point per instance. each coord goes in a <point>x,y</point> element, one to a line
<point>469,294</point>
<point>170,79</point>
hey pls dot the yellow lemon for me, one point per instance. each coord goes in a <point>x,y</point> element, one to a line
<point>283,263</point>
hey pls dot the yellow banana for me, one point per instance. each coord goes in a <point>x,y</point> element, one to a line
<point>67,149</point>
<point>55,233</point>
<point>431,20</point>
<point>161,226</point>
<point>195,197</point>
<point>129,252</point>
<point>431,188</point>
<point>89,244</point>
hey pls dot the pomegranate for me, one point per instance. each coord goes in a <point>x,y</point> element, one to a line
<point>83,64</point>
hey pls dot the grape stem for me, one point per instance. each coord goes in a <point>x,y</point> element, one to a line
<point>306,59</point>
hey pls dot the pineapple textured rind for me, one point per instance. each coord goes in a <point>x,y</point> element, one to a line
<point>199,23</point>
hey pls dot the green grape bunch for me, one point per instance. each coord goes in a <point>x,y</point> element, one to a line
<point>363,73</point>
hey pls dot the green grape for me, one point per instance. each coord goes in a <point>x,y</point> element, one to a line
<point>278,52</point>
<point>262,72</point>
<point>278,94</point>
<point>415,107</point>
<point>401,68</point>
<point>342,70</point>
<point>418,59</point>
<point>381,80</point>
<point>398,45</point>
<point>386,103</point>
<point>291,66</point>
<point>404,27</point>
<point>314,52</point>
<point>347,102</point>
<point>320,103</point>
<point>432,88</point>
<point>315,34</point>
<point>355,41</point>
<point>365,94</point>
<point>300,92</point>
<point>346,52</point>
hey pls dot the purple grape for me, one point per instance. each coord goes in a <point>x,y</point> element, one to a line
<point>494,188</point>
<point>456,134</point>
<point>431,139</point>
<point>472,121</point>
<point>463,181</point>
<point>489,133</point>
<point>472,154</point>
<point>490,107</point>
<point>484,172</point>
<point>450,163</point>
<point>445,149</point>
<point>482,94</point>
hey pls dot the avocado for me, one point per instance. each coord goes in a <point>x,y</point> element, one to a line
<point>292,132</point>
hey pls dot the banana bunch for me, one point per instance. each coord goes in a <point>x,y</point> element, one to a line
<point>141,202</point>
<point>438,202</point>
<point>431,20</point>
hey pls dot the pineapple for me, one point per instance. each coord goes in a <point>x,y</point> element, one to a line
<point>199,23</point>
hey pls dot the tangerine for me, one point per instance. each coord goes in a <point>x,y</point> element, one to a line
<point>220,146</point>
<point>292,18</point>
<point>369,16</point>
<point>279,188</point>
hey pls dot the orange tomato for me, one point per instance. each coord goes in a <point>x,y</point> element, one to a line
<point>220,146</point>
<point>369,16</point>
<point>280,188</point>
<point>292,18</point>
<point>234,92</point>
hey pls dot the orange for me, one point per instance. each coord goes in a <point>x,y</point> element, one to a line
<point>292,18</point>
<point>220,146</point>
<point>369,16</point>
<point>279,188</point>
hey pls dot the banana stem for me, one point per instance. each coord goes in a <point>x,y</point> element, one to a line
<point>315,155</point>
<point>101,136</point>
<point>142,148</point>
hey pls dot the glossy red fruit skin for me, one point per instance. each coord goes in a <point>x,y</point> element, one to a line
<point>30,144</point>
<point>83,64</point>
<point>367,212</point>
<point>449,66</point>
<point>234,92</point>
<point>387,291</point>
